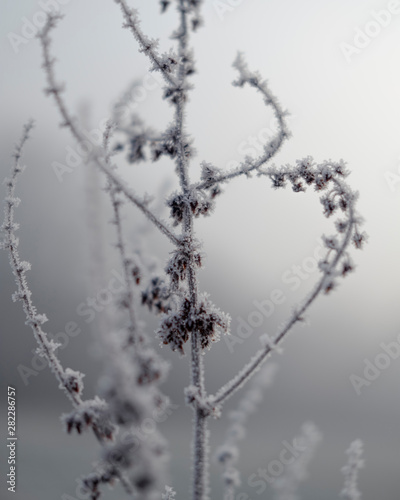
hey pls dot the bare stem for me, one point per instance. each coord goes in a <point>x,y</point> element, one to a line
<point>47,347</point>
<point>273,146</point>
<point>98,155</point>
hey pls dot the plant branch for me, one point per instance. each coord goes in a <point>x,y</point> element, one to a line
<point>165,63</point>
<point>98,155</point>
<point>273,146</point>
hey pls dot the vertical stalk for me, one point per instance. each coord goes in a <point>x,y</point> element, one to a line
<point>197,366</point>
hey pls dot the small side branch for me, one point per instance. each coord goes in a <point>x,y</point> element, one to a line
<point>273,146</point>
<point>166,63</point>
<point>47,347</point>
<point>98,155</point>
<point>133,330</point>
<point>70,381</point>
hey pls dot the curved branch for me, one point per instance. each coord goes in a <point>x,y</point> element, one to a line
<point>98,155</point>
<point>274,145</point>
<point>69,380</point>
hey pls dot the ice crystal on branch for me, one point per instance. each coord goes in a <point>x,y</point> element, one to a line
<point>205,319</point>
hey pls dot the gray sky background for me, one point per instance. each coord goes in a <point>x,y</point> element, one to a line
<point>340,109</point>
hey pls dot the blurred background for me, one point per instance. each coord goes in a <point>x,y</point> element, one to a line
<point>335,67</point>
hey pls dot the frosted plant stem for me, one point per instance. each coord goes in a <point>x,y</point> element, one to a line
<point>132,339</point>
<point>274,145</point>
<point>34,320</point>
<point>200,479</point>
<point>98,156</point>
<point>147,46</point>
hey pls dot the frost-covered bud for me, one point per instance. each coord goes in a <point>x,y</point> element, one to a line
<point>10,227</point>
<point>298,187</point>
<point>156,296</point>
<point>173,330</point>
<point>305,170</point>
<point>198,203</point>
<point>278,179</point>
<point>92,413</point>
<point>120,454</point>
<point>343,203</point>
<point>320,183</point>
<point>347,267</point>
<point>191,394</point>
<point>136,151</point>
<point>329,285</point>
<point>21,295</point>
<point>178,265</point>
<point>23,267</point>
<point>329,205</point>
<point>205,319</point>
<point>164,5</point>
<point>73,381</point>
<point>325,172</point>
<point>36,320</point>
<point>340,169</point>
<point>227,453</point>
<point>209,173</point>
<point>150,367</point>
<point>331,242</point>
<point>341,225</point>
<point>231,477</point>
<point>208,320</point>
<point>91,482</point>
<point>51,346</point>
<point>168,62</point>
<point>359,239</point>
<point>12,201</point>
<point>177,206</point>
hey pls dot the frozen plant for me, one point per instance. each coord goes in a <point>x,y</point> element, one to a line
<point>129,390</point>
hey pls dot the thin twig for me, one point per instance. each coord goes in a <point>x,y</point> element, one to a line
<point>98,155</point>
